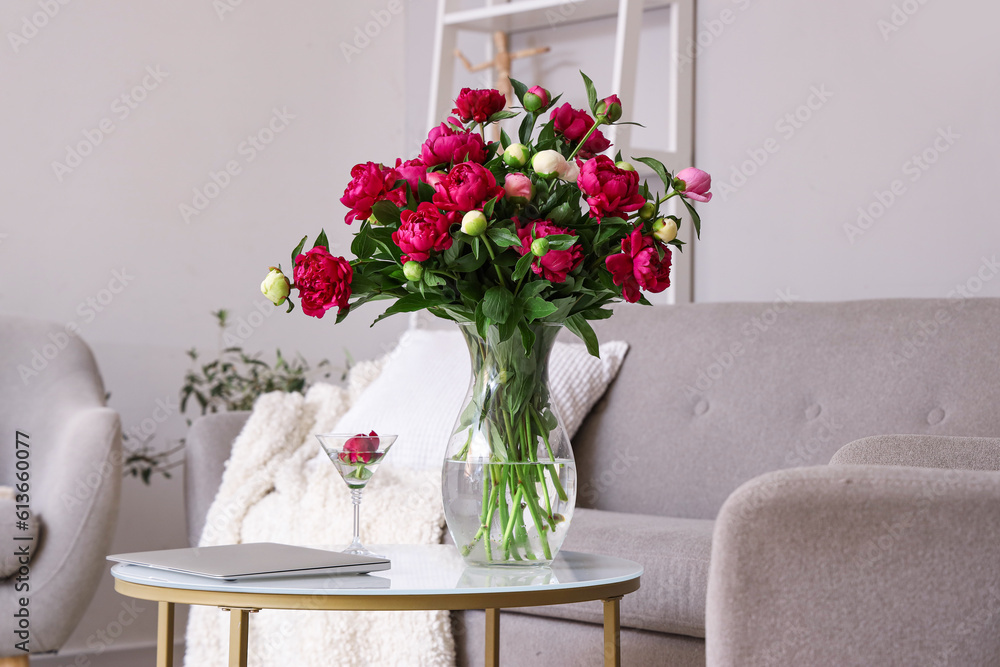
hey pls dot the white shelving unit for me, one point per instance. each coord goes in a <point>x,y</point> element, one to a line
<point>530,15</point>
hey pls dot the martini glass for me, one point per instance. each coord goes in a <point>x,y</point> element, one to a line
<point>356,458</point>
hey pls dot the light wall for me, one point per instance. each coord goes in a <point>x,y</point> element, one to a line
<point>224,72</point>
<point>904,128</point>
<point>221,76</point>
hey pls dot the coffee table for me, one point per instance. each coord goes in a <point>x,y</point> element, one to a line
<point>422,577</point>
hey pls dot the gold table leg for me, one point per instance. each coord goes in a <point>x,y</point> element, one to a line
<point>165,635</point>
<point>612,633</point>
<point>492,638</point>
<point>239,633</point>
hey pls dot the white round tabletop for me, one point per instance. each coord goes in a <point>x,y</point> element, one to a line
<point>431,570</point>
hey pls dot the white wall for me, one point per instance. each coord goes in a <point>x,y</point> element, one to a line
<point>119,209</point>
<point>890,99</point>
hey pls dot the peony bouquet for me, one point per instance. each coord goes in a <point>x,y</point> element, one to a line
<point>509,239</point>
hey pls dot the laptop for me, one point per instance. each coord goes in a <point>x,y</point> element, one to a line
<point>256,559</point>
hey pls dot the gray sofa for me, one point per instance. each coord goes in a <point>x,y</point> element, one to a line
<point>707,462</point>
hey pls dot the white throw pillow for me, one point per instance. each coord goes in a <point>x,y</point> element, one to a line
<point>420,390</point>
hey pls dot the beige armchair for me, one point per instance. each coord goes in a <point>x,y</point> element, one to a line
<point>888,556</point>
<point>52,401</point>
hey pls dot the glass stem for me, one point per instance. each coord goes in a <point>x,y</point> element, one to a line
<point>356,498</point>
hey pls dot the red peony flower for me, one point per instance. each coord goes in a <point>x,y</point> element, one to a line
<point>361,448</point>
<point>574,125</point>
<point>694,184</point>
<point>445,144</point>
<point>610,191</point>
<point>323,281</point>
<point>639,267</point>
<point>554,264</point>
<point>370,182</point>
<point>422,231</point>
<point>466,187</point>
<point>412,171</point>
<point>478,105</point>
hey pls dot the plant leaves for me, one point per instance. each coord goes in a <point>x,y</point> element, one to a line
<point>413,302</point>
<point>581,327</point>
<point>386,212</point>
<point>561,241</point>
<point>522,266</point>
<point>321,240</point>
<point>535,308</point>
<point>527,337</point>
<point>519,89</point>
<point>526,128</point>
<point>498,303</point>
<point>591,93</point>
<point>298,250</point>
<point>661,171</point>
<point>503,237</point>
<point>695,218</point>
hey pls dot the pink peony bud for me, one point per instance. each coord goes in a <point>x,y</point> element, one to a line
<point>519,187</point>
<point>536,99</point>
<point>694,184</point>
<point>610,107</point>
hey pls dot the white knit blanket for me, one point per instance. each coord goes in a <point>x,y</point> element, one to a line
<point>279,487</point>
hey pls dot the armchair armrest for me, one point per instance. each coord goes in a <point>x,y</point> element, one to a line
<point>857,565</point>
<point>922,451</point>
<point>207,448</point>
<point>674,554</point>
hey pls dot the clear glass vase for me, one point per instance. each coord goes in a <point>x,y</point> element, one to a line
<point>509,478</point>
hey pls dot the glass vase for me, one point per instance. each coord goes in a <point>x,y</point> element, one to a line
<point>509,478</point>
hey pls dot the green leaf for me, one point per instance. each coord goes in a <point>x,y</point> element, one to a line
<point>469,262</point>
<point>581,327</point>
<point>534,288</point>
<point>386,212</point>
<point>597,313</point>
<point>413,302</point>
<point>363,246</point>
<point>695,218</point>
<point>298,250</point>
<point>519,89</point>
<point>526,128</point>
<point>501,115</point>
<point>527,337</point>
<point>536,308</point>
<point>503,237</point>
<point>561,241</point>
<point>432,279</point>
<point>591,93</point>
<point>425,191</point>
<point>321,240</point>
<point>488,207</point>
<point>522,266</point>
<point>660,170</point>
<point>504,139</point>
<point>482,322</point>
<point>498,303</point>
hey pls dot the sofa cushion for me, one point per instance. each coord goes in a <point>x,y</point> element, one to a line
<point>674,554</point>
<point>9,560</point>
<point>712,395</point>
